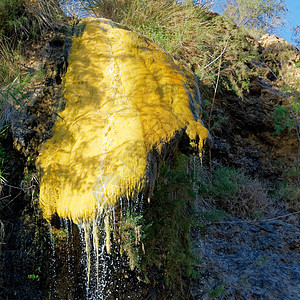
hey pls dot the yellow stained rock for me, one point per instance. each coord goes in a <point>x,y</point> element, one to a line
<point>124,96</point>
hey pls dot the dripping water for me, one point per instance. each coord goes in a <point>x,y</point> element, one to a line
<point>94,272</point>
<point>101,258</point>
<point>95,260</point>
<point>52,262</point>
<point>67,225</point>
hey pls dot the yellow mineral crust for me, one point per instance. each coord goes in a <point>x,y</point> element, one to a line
<point>124,97</point>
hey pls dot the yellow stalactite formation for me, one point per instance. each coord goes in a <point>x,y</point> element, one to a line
<point>124,97</point>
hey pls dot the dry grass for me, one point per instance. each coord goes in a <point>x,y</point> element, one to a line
<point>22,22</point>
<point>234,192</point>
<point>250,201</point>
<point>192,35</point>
<point>45,12</point>
<point>290,195</point>
<point>10,61</point>
<point>165,21</point>
<point>25,20</point>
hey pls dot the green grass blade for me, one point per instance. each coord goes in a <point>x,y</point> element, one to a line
<point>17,91</point>
<point>15,98</point>
<point>3,96</point>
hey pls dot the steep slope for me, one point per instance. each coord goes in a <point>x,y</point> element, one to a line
<point>242,126</point>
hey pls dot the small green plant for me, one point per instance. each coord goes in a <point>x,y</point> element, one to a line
<point>35,276</point>
<point>59,236</point>
<point>39,74</point>
<point>282,119</point>
<point>214,215</point>
<point>245,280</point>
<point>130,234</point>
<point>12,93</point>
<point>288,191</point>
<point>217,291</point>
<point>225,181</point>
<point>287,117</point>
<point>290,194</point>
<point>261,261</point>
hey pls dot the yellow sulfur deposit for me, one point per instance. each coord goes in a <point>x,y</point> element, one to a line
<point>124,97</point>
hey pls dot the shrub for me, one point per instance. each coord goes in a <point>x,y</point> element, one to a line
<point>264,15</point>
<point>282,119</point>
<point>236,193</point>
<point>12,18</point>
<point>290,194</point>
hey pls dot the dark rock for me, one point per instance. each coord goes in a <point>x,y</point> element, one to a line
<point>246,139</point>
<point>254,261</point>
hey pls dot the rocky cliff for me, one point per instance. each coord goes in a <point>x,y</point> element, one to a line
<point>249,220</point>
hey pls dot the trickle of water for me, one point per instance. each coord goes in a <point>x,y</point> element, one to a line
<point>94,259</point>
<point>141,204</point>
<point>69,244</point>
<point>86,231</point>
<point>52,263</point>
<point>104,266</point>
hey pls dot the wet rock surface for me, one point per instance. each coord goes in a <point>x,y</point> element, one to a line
<point>24,264</point>
<point>33,265</point>
<point>248,260</point>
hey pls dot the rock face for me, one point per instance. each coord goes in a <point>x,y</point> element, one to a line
<point>286,56</point>
<point>125,98</point>
<point>26,249</point>
<point>247,259</point>
<point>247,139</point>
<point>241,260</point>
<point>25,229</point>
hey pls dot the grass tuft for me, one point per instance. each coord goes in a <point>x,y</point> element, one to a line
<point>234,192</point>
<point>22,22</point>
<point>290,194</point>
